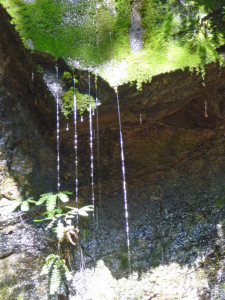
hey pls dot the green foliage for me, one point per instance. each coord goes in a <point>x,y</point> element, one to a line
<point>55,268</point>
<point>60,221</point>
<point>94,32</point>
<point>83,102</point>
<point>51,200</point>
<point>24,205</point>
<point>68,78</point>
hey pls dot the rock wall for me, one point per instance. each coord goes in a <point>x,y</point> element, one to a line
<point>27,166</point>
<point>174,156</point>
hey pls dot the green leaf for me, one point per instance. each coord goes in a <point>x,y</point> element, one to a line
<point>51,202</point>
<point>60,230</point>
<point>31,200</point>
<point>67,193</point>
<point>43,198</point>
<point>63,197</point>
<point>73,211</point>
<point>82,212</point>
<point>24,206</point>
<point>54,280</point>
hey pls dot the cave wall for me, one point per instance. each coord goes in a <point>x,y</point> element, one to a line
<point>27,166</point>
<point>175,176</point>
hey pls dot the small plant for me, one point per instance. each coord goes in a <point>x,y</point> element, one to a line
<point>68,79</point>
<point>83,102</point>
<point>60,222</point>
<point>54,267</point>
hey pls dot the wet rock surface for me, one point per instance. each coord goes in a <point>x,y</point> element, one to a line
<point>136,30</point>
<point>175,176</point>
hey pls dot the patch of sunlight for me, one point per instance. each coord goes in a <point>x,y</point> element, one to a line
<point>170,281</point>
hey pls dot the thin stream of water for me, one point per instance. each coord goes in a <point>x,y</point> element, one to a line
<point>98,152</point>
<point>91,145</point>
<point>57,140</point>
<point>92,165</point>
<point>57,129</point>
<point>124,184</point>
<point>206,110</point>
<point>75,145</point>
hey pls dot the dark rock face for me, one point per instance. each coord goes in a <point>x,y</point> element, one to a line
<point>26,166</point>
<point>174,156</point>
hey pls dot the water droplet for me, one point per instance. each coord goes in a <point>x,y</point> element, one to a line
<point>206,110</point>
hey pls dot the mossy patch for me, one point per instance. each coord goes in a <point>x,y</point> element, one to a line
<point>83,102</point>
<point>177,34</point>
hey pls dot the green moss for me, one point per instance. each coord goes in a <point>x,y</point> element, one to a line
<point>8,290</point>
<point>93,33</point>
<point>83,102</point>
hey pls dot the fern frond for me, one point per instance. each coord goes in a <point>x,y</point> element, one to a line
<point>73,210</point>
<point>50,225</point>
<point>60,230</point>
<point>51,202</point>
<point>67,193</point>
<point>43,198</point>
<point>83,211</point>
<point>63,197</point>
<point>48,265</point>
<point>68,274</point>
<point>54,280</point>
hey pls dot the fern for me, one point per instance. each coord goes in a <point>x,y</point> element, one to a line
<point>63,197</point>
<point>56,268</point>
<point>43,198</point>
<point>51,202</point>
<point>48,265</point>
<point>60,230</point>
<point>68,274</point>
<point>60,222</point>
<point>51,199</point>
<point>83,211</point>
<point>55,279</point>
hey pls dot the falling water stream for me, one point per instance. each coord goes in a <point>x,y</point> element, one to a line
<point>124,183</point>
<point>57,128</point>
<point>75,145</point>
<point>91,144</point>
<point>57,139</point>
<point>206,110</point>
<point>92,165</point>
<point>98,151</point>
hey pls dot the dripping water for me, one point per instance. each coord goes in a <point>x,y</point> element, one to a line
<point>75,145</point>
<point>82,259</point>
<point>57,128</point>
<point>92,162</point>
<point>206,110</point>
<point>57,140</point>
<point>124,184</point>
<point>98,151</point>
<point>140,119</point>
<point>91,144</point>
<point>67,127</point>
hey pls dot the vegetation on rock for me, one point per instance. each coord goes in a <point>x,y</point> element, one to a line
<point>178,34</point>
<point>61,222</point>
